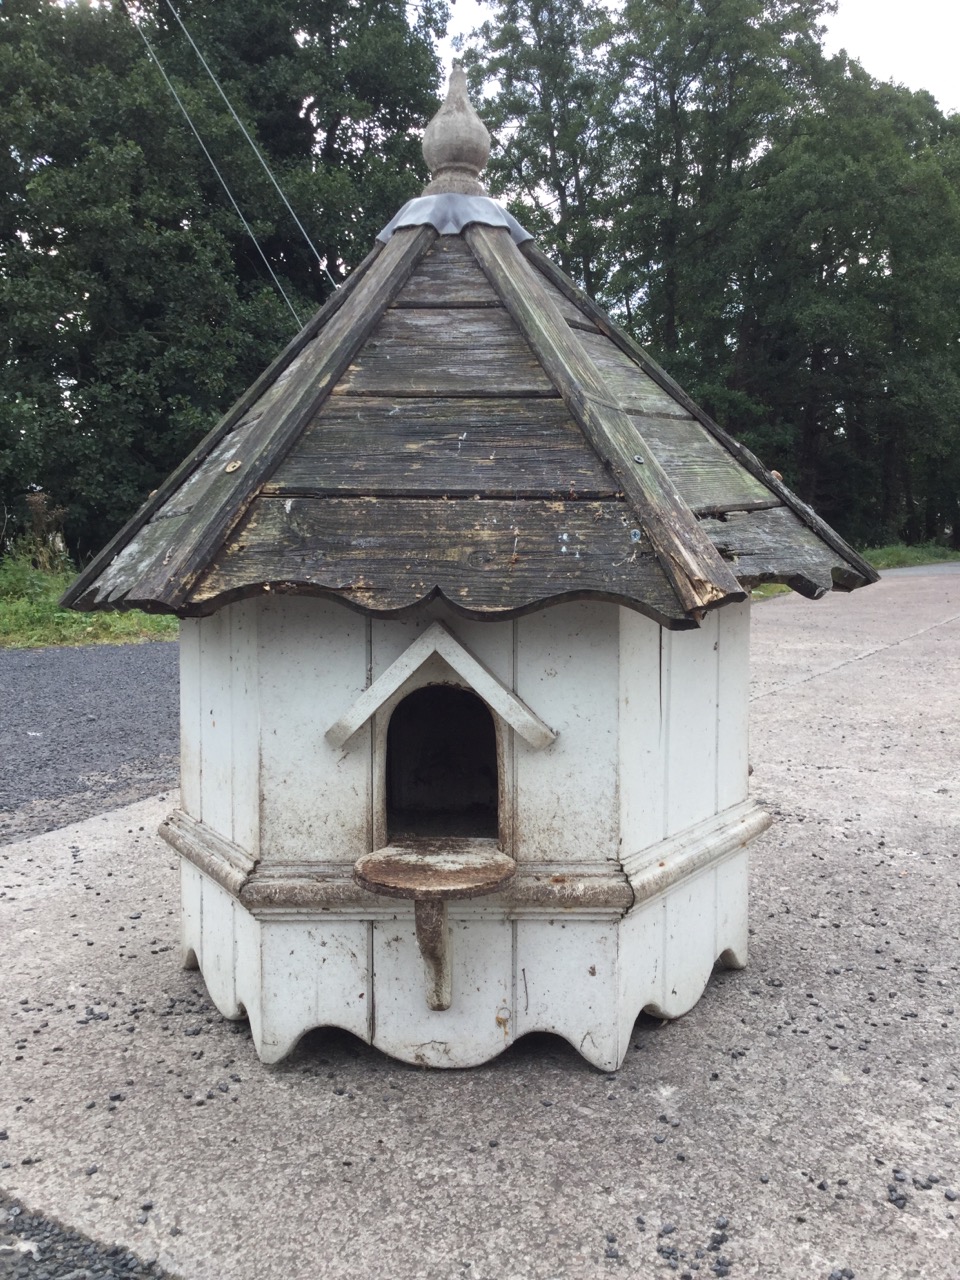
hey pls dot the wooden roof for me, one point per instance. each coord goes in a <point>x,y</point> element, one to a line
<point>461,420</point>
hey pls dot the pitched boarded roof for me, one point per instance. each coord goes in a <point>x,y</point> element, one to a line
<point>460,419</point>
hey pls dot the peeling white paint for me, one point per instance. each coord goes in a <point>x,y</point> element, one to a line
<point>644,780</point>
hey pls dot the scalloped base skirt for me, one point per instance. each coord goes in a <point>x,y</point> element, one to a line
<point>583,975</point>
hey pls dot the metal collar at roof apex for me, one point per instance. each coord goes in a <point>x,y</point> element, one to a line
<point>449,214</point>
<point>456,146</point>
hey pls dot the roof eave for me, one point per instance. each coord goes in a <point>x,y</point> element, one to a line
<point>860,567</point>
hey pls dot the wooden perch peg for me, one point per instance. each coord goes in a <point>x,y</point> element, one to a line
<point>433,938</point>
<point>433,872</point>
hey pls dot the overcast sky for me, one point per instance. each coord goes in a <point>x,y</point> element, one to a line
<point>913,42</point>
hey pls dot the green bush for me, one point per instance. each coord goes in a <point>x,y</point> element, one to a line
<point>21,580</point>
<point>900,556</point>
<point>30,615</point>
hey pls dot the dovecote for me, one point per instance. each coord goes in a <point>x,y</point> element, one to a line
<point>464,586</point>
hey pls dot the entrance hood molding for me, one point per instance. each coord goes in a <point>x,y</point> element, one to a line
<point>438,640</point>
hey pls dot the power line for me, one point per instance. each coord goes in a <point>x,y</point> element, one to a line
<point>223,181</point>
<point>256,150</point>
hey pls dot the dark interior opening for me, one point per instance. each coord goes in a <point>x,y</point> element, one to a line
<point>441,766</point>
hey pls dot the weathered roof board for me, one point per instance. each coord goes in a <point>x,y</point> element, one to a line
<point>460,419</point>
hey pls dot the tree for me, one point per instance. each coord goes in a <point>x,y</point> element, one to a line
<point>133,307</point>
<point>850,321</point>
<point>704,86</point>
<point>551,113</point>
<point>781,230</point>
<point>337,93</point>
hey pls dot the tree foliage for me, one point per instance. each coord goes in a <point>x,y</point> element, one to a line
<point>850,314</point>
<point>552,111</point>
<point>133,306</point>
<point>782,231</point>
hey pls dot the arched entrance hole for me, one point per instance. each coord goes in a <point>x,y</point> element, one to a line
<point>441,770</point>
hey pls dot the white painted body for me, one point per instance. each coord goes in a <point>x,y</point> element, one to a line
<point>623,800</point>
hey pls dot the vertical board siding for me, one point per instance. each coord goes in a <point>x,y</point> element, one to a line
<point>249,970</point>
<point>691,757</point>
<point>641,732</point>
<point>191,914</point>
<point>683,723</point>
<point>566,794</point>
<point>733,876</point>
<point>640,960</point>
<point>191,760</point>
<point>690,941</point>
<point>490,643</point>
<point>567,982</point>
<point>221,699</point>
<point>391,637</point>
<point>316,976</point>
<point>734,710</point>
<point>479,1022</point>
<point>216,733</point>
<point>245,725</point>
<point>314,797</point>
<point>669,945</point>
<point>218,910</point>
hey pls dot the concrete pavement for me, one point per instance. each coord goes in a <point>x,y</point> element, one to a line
<point>802,1120</point>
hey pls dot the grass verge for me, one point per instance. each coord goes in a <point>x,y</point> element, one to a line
<point>768,589</point>
<point>30,617</point>
<point>899,556</point>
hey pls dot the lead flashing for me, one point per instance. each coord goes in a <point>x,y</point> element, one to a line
<point>449,214</point>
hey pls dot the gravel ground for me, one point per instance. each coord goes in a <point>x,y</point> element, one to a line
<point>802,1122</point>
<point>84,730</point>
<point>35,1248</point>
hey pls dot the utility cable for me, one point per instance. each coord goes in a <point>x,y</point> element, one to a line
<point>256,150</point>
<point>223,181</point>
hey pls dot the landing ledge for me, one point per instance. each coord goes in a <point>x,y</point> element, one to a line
<point>435,870</point>
<point>310,887</point>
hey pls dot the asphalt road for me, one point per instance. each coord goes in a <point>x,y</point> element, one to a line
<point>84,730</point>
<point>924,570</point>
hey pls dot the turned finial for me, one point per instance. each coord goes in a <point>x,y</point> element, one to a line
<point>456,144</point>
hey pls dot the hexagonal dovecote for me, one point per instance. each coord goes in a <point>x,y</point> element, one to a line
<point>464,580</point>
